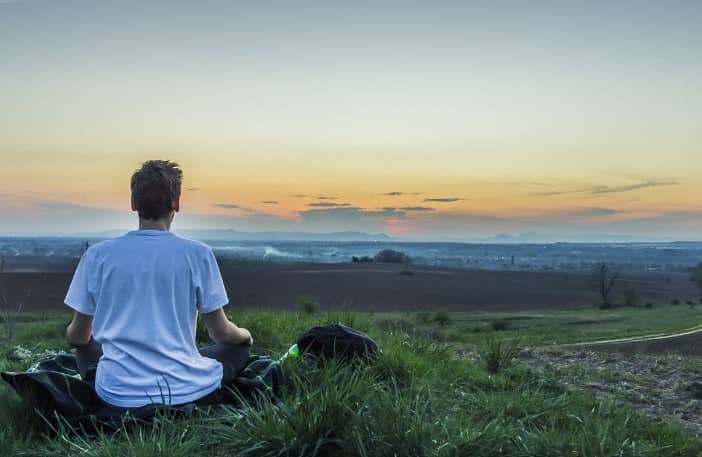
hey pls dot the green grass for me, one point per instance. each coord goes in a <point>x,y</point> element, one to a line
<point>575,325</point>
<point>419,398</point>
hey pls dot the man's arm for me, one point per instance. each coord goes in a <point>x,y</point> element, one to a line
<point>80,329</point>
<point>223,331</point>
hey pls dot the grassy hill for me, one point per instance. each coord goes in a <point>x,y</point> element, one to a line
<point>422,397</point>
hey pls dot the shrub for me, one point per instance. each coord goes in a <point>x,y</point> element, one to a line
<point>442,318</point>
<point>499,354</point>
<point>499,325</point>
<point>690,304</point>
<point>394,324</point>
<point>675,301</point>
<point>422,318</point>
<point>631,297</point>
<point>365,258</point>
<point>649,305</point>
<point>307,304</point>
<point>391,256</point>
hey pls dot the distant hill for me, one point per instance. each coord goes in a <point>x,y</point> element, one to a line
<point>549,238</point>
<point>235,235</point>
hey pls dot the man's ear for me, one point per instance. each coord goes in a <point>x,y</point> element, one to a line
<point>134,204</point>
<point>175,204</point>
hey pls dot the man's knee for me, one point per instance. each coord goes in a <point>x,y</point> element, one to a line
<point>227,352</point>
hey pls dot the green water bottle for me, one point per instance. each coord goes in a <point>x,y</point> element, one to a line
<point>292,353</point>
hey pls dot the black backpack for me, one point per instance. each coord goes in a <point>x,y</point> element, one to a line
<point>337,342</point>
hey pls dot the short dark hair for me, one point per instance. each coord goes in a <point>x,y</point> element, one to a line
<point>154,186</point>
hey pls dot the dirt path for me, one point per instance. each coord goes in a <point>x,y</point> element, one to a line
<point>659,385</point>
<point>657,374</point>
<point>692,331</point>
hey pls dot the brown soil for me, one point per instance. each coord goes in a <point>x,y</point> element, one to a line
<point>660,385</point>
<point>380,287</point>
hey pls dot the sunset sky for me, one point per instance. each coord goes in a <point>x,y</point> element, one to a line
<point>422,120</point>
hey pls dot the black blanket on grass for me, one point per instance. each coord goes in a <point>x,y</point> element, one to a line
<point>55,389</point>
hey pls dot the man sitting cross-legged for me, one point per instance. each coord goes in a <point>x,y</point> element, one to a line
<point>136,300</point>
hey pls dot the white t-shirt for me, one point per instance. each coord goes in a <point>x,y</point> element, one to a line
<point>144,290</point>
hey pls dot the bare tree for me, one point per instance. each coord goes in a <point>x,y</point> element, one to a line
<point>604,280</point>
<point>9,308</point>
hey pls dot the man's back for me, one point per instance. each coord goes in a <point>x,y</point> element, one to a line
<point>144,290</point>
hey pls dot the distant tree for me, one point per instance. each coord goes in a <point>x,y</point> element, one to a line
<point>696,276</point>
<point>499,325</point>
<point>604,279</point>
<point>307,304</point>
<point>391,256</point>
<point>442,318</point>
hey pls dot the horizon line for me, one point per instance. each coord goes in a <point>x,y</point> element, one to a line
<point>500,238</point>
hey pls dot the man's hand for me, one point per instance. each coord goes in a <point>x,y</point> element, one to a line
<point>80,329</point>
<point>246,337</point>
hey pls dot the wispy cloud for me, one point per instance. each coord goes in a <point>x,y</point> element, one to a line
<point>588,212</point>
<point>270,202</point>
<point>300,195</point>
<point>604,189</point>
<point>595,190</point>
<point>384,213</point>
<point>443,200</point>
<point>407,208</point>
<point>324,197</point>
<point>243,210</point>
<point>552,193</point>
<point>352,210</point>
<point>328,205</point>
<point>395,194</point>
<point>347,209</point>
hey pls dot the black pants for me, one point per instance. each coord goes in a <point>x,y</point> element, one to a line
<point>232,357</point>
